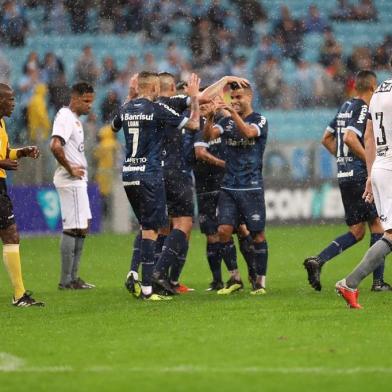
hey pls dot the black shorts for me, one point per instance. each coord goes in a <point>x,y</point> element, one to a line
<point>355,208</point>
<point>242,206</point>
<point>208,218</point>
<point>147,198</point>
<point>6,210</point>
<point>179,194</point>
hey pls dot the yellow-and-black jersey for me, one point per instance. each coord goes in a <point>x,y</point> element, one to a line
<point>3,146</point>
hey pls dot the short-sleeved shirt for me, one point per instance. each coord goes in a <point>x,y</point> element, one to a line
<point>380,112</point>
<point>244,162</point>
<point>352,115</point>
<point>68,127</point>
<point>143,123</point>
<point>209,177</point>
<point>173,154</point>
<point>3,146</point>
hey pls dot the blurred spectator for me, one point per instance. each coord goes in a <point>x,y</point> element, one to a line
<point>149,63</point>
<point>13,24</point>
<point>121,86</point>
<point>226,45</point>
<point>59,93</point>
<point>314,22</point>
<point>57,19</point>
<point>38,124</point>
<point>269,81</point>
<point>109,104</point>
<point>304,84</point>
<point>32,61</point>
<point>267,48</point>
<point>77,10</point>
<point>135,15</point>
<point>361,58</point>
<point>26,88</point>
<point>109,71</point>
<point>239,68</point>
<point>250,13</point>
<point>343,11</point>
<point>330,48</point>
<point>106,16</point>
<point>215,15</point>
<point>365,10</point>
<point>132,66</point>
<point>86,67</point>
<point>383,53</point>
<point>338,76</point>
<point>52,68</point>
<point>5,70</point>
<point>289,34</point>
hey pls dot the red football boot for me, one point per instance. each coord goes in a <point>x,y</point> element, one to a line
<point>350,295</point>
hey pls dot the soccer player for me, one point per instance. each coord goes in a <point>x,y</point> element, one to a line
<point>378,150</point>
<point>241,199</point>
<point>144,122</point>
<point>344,138</point>
<point>8,231</point>
<point>70,180</point>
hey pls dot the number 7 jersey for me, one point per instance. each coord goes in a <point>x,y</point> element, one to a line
<point>380,113</point>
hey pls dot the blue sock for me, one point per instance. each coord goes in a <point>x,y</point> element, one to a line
<point>178,265</point>
<point>229,255</point>
<point>135,262</point>
<point>174,244</point>
<point>147,257</point>
<point>337,246</point>
<point>158,249</point>
<point>215,260</point>
<point>247,250</point>
<point>261,257</point>
<point>378,273</point>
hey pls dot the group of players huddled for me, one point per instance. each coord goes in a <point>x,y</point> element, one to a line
<point>169,135</point>
<point>178,137</point>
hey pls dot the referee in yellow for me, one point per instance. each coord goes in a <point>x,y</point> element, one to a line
<point>8,230</point>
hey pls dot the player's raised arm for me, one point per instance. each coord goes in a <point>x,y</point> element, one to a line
<point>193,122</point>
<point>216,88</point>
<point>329,141</point>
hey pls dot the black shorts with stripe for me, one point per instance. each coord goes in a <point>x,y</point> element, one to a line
<point>6,210</point>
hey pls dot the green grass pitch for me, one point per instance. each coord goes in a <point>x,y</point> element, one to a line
<point>292,339</point>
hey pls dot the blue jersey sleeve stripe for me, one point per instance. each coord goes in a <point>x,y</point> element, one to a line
<point>221,130</point>
<point>355,130</point>
<point>201,144</point>
<point>182,123</point>
<point>257,128</point>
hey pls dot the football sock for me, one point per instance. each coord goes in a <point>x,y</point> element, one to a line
<point>79,241</point>
<point>11,258</point>
<point>174,244</point>
<point>158,251</point>
<point>147,259</point>
<point>67,248</point>
<point>372,259</point>
<point>261,257</point>
<point>214,260</point>
<point>178,265</point>
<point>338,245</point>
<point>378,273</point>
<point>247,250</point>
<point>135,262</point>
<point>229,255</point>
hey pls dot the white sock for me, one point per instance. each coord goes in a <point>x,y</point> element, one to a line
<point>147,290</point>
<point>134,273</point>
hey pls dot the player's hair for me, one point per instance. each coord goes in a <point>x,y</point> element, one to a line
<point>145,78</point>
<point>81,88</point>
<point>166,79</point>
<point>364,79</point>
<point>181,86</point>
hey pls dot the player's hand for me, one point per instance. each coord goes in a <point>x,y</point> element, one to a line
<point>225,106</point>
<point>9,164</point>
<point>368,194</point>
<point>193,85</point>
<point>77,171</point>
<point>30,151</point>
<point>242,82</point>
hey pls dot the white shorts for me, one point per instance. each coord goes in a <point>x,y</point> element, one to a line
<point>382,192</point>
<point>75,207</point>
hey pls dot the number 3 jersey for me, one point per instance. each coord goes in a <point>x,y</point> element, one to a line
<point>351,116</point>
<point>380,112</point>
<point>143,123</point>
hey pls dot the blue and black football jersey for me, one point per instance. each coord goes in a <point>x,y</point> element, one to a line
<point>173,147</point>
<point>352,115</point>
<point>144,123</point>
<point>244,157</point>
<point>209,177</point>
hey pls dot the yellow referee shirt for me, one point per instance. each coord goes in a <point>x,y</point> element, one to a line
<point>3,146</point>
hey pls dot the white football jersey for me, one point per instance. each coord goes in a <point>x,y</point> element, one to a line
<point>380,110</point>
<point>69,128</point>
